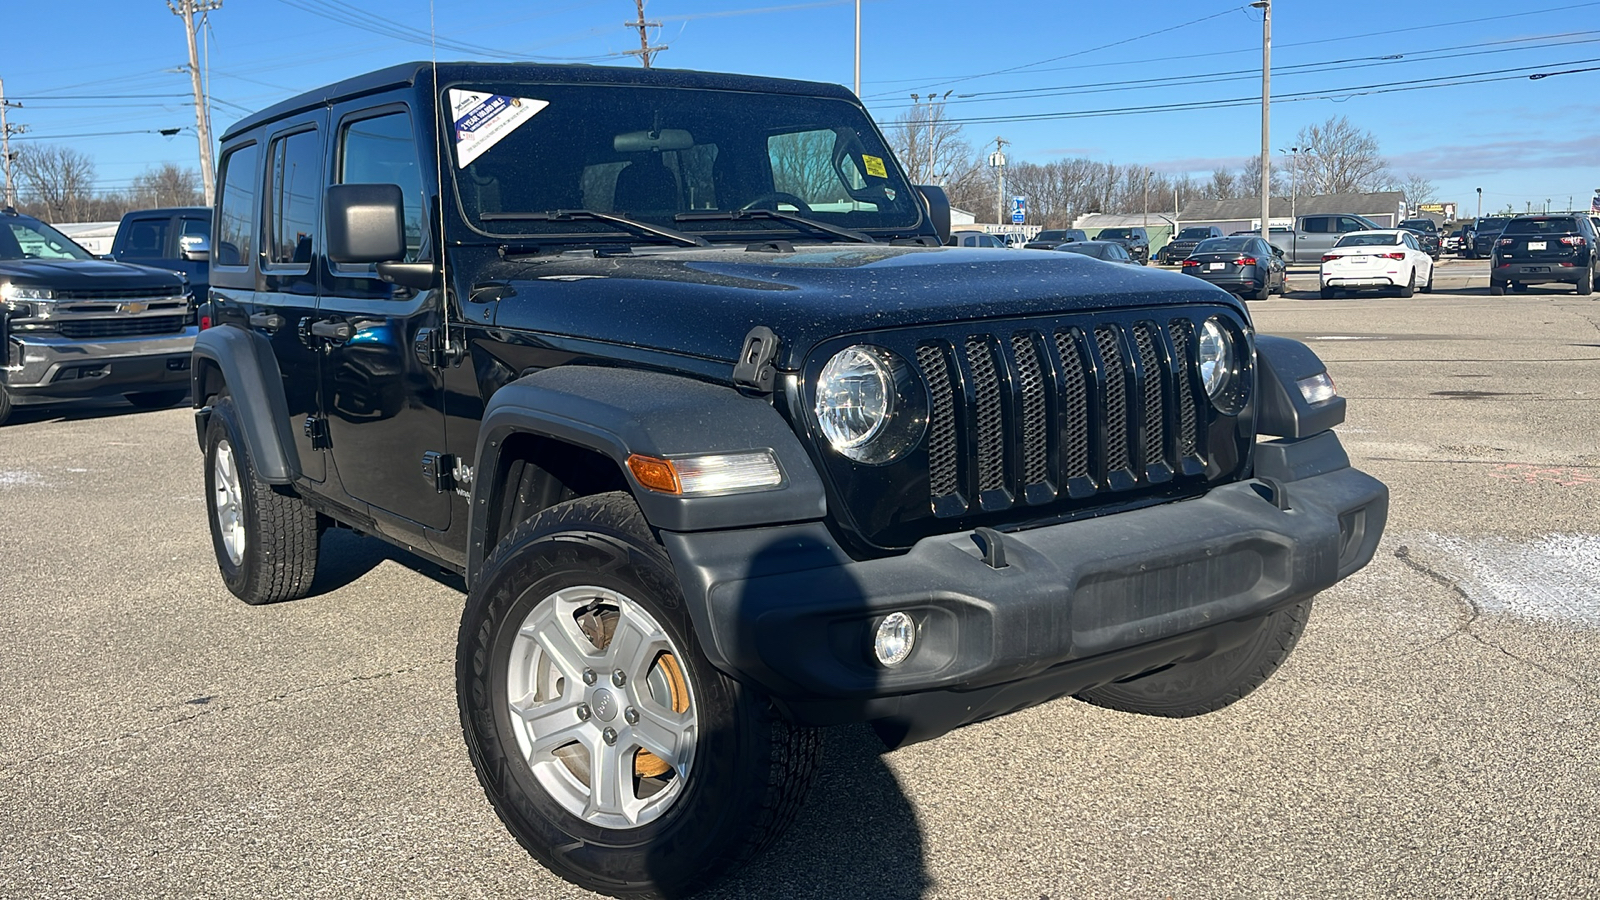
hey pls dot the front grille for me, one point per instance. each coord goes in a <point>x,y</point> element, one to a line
<point>1035,414</point>
<point>119,294</point>
<point>87,329</point>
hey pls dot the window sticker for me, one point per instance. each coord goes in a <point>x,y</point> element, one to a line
<point>874,166</point>
<point>483,120</point>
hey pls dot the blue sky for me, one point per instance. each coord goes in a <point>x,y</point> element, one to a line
<point>1521,140</point>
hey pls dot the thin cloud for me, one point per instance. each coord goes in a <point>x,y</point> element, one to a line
<point>1206,164</point>
<point>1497,156</point>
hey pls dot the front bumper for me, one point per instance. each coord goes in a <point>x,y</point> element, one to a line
<point>42,367</point>
<point>1076,605</point>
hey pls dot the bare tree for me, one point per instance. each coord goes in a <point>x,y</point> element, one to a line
<point>1224,186</point>
<point>1345,160</point>
<point>166,185</point>
<point>1249,183</point>
<point>57,181</point>
<point>932,148</point>
<point>1418,189</point>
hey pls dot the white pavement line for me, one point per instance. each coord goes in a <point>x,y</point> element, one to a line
<point>1554,579</point>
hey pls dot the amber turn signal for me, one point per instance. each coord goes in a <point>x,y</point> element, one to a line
<point>655,474</point>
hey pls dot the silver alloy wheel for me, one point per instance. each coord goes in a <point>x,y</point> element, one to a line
<point>600,707</point>
<point>226,499</point>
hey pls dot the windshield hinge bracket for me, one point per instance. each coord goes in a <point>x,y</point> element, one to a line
<point>756,368</point>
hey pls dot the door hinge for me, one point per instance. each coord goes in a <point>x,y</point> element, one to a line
<point>316,430</point>
<point>431,351</point>
<point>756,367</point>
<point>439,470</point>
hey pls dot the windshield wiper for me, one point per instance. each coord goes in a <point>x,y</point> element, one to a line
<point>589,215</point>
<point>734,215</point>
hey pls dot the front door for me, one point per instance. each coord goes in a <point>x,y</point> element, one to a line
<point>382,396</point>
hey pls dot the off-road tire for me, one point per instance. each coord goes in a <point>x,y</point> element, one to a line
<point>282,533</point>
<point>1410,289</point>
<point>1195,688</point>
<point>157,399</point>
<point>751,769</point>
<point>1585,285</point>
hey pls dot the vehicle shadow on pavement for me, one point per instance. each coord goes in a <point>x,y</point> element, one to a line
<point>344,556</point>
<point>78,412</point>
<point>857,835</point>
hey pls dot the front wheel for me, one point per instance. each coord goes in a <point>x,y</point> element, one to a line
<point>1194,688</point>
<point>5,405</point>
<point>266,542</point>
<point>606,742</point>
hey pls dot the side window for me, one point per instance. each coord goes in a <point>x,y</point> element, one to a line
<point>294,190</point>
<point>236,226</point>
<point>1318,225</point>
<point>1348,224</point>
<point>195,227</point>
<point>383,150</point>
<point>147,239</point>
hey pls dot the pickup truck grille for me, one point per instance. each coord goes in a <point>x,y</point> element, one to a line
<point>88,329</point>
<point>1018,417</point>
<point>114,295</point>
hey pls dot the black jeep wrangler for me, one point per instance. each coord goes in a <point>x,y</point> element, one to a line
<point>672,367</point>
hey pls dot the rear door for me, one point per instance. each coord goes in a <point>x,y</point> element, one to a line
<point>382,396</point>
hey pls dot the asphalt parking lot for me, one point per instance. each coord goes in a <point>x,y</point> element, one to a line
<point>1433,736</point>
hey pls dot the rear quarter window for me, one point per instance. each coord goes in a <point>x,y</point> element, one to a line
<point>235,242</point>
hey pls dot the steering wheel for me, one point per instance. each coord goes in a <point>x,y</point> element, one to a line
<point>776,197</point>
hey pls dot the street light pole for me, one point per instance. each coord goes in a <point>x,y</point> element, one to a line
<point>1266,115</point>
<point>1480,210</point>
<point>858,48</point>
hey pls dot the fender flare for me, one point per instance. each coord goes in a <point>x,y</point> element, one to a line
<point>619,412</point>
<point>251,373</point>
<point>1281,409</point>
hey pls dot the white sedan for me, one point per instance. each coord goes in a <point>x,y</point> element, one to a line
<point>1377,260</point>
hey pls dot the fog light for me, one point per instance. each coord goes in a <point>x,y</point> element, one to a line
<point>1317,389</point>
<point>897,634</point>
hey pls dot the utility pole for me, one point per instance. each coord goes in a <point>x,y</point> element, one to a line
<point>187,10</point>
<point>6,131</point>
<point>858,47</point>
<point>1266,115</point>
<point>997,161</point>
<point>1147,198</point>
<point>645,51</point>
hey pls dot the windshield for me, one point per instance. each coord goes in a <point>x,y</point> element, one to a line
<point>1222,245</point>
<point>1050,236</point>
<point>657,155</point>
<point>1418,224</point>
<point>1194,234</point>
<point>32,239</point>
<point>1563,225</point>
<point>1098,251</point>
<point>1368,240</point>
<point>1491,225</point>
<point>1117,234</point>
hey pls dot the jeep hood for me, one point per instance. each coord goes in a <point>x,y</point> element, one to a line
<point>84,274</point>
<point>703,302</point>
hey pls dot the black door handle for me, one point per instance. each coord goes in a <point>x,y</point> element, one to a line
<point>269,321</point>
<point>334,331</point>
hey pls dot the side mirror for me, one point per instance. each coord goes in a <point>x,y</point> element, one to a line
<point>1277,251</point>
<point>195,248</point>
<point>938,209</point>
<point>366,223</point>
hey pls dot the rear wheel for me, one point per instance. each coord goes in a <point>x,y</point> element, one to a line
<point>607,743</point>
<point>1195,688</point>
<point>1586,283</point>
<point>5,405</point>
<point>157,399</point>
<point>1411,284</point>
<point>1518,287</point>
<point>1428,288</point>
<point>1496,288</point>
<point>1329,293</point>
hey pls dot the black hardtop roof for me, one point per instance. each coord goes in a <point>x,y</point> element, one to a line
<point>407,74</point>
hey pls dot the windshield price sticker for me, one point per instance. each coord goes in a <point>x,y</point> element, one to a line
<point>874,166</point>
<point>483,120</point>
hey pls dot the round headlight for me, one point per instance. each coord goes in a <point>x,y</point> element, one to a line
<point>855,395</point>
<point>1216,358</point>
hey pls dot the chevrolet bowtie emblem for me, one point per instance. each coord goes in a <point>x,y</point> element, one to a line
<point>135,307</point>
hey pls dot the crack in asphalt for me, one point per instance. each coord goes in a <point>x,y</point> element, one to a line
<point>199,713</point>
<point>1474,612</point>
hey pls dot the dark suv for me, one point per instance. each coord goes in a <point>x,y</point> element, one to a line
<point>673,369</point>
<point>1544,250</point>
<point>1134,240</point>
<point>1179,248</point>
<point>1484,233</point>
<point>1051,238</point>
<point>176,238</point>
<point>1427,232</point>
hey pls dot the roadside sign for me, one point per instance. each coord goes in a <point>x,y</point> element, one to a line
<point>1019,210</point>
